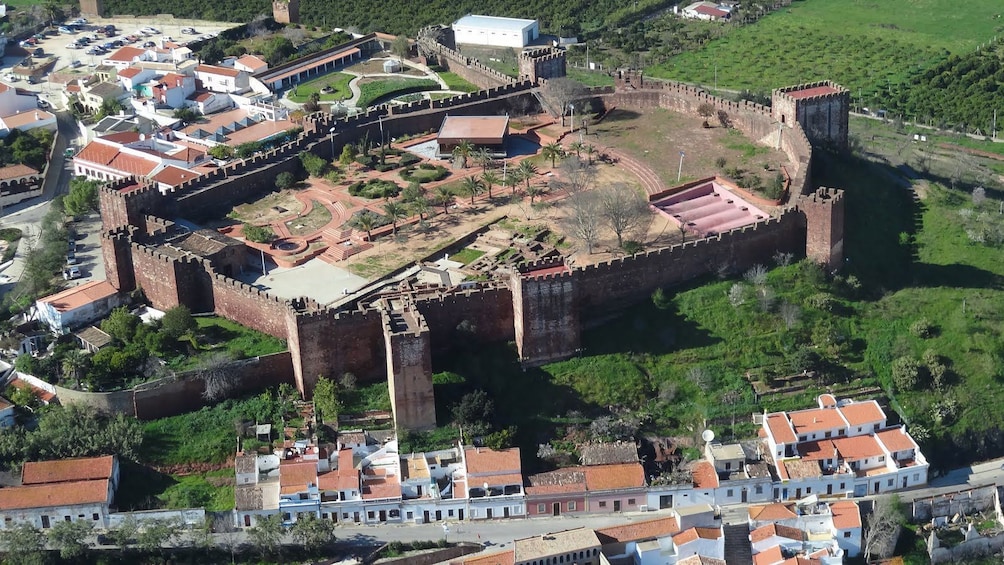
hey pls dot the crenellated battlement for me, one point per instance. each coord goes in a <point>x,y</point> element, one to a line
<point>251,291</point>
<point>788,91</point>
<point>538,264</point>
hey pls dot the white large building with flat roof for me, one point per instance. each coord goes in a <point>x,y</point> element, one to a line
<point>495,32</point>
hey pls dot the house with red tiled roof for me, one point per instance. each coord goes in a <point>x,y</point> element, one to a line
<point>128,153</point>
<point>222,79</point>
<point>709,11</point>
<point>133,76</point>
<point>250,64</point>
<point>20,111</point>
<point>77,306</point>
<point>827,532</point>
<point>493,482</point>
<point>79,489</point>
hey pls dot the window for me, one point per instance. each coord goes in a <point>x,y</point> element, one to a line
<point>842,487</point>
<point>541,508</point>
<point>759,489</point>
<point>603,504</point>
<point>728,465</point>
<point>370,514</point>
<point>916,476</point>
<point>728,493</point>
<point>451,513</point>
<point>803,438</point>
<point>345,515</point>
<point>411,515</point>
<point>841,432</point>
<point>890,482</point>
<point>631,501</point>
<point>847,534</point>
<point>286,517</point>
<point>875,428</point>
<point>881,458</point>
<point>828,434</point>
<point>571,505</point>
<point>80,516</point>
<point>66,518</point>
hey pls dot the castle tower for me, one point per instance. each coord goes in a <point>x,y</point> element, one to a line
<point>286,11</point>
<point>822,109</point>
<point>542,63</point>
<point>545,313</point>
<point>824,226</point>
<point>409,368</point>
<point>91,8</point>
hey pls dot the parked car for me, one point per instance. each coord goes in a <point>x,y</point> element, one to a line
<point>72,260</point>
<point>38,52</point>
<point>71,273</point>
<point>95,50</point>
<point>32,79</point>
<point>75,63</point>
<point>108,45</point>
<point>64,29</point>
<point>149,45</point>
<point>74,45</point>
<point>150,31</point>
<point>189,31</point>
<point>43,104</point>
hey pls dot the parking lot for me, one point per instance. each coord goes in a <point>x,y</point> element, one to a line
<point>56,44</point>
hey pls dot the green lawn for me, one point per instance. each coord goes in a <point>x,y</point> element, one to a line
<point>369,92</point>
<point>454,82</point>
<point>861,44</point>
<point>467,255</point>
<point>339,83</point>
<point>237,341</point>
<point>590,78</point>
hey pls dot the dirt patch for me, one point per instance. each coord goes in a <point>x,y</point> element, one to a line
<point>375,66</point>
<point>317,218</point>
<point>272,207</point>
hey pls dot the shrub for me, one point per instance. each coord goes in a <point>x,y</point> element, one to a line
<point>374,188</point>
<point>366,160</point>
<point>258,234</point>
<point>821,301</point>
<point>720,162</point>
<point>284,180</point>
<point>905,373</point>
<point>631,247</point>
<point>386,167</point>
<point>315,166</point>
<point>409,159</point>
<point>922,328</point>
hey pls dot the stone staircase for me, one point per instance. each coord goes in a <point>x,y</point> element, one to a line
<point>737,544</point>
<point>339,252</point>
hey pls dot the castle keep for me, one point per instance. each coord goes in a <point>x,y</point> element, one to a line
<point>395,334</point>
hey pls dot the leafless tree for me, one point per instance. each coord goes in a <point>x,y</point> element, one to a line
<point>766,296</point>
<point>258,26</point>
<point>700,377</point>
<point>294,34</point>
<point>884,525</point>
<point>624,209</point>
<point>227,535</point>
<point>576,176</point>
<point>560,92</point>
<point>790,314</point>
<point>979,195</point>
<point>737,294</point>
<point>756,275</point>
<point>219,380</point>
<point>584,217</point>
<point>782,259</point>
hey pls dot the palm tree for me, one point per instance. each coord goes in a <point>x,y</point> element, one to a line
<point>552,151</point>
<point>512,179</point>
<point>73,363</point>
<point>527,171</point>
<point>490,178</point>
<point>366,222</point>
<point>590,151</point>
<point>482,157</point>
<point>471,186</point>
<point>395,211</point>
<point>444,197</point>
<point>534,191</point>
<point>420,206</point>
<point>577,146</point>
<point>462,151</point>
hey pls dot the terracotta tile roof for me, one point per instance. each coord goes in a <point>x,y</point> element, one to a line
<point>97,152</point>
<point>639,531</point>
<point>16,171</point>
<point>802,469</point>
<point>780,428</point>
<point>248,497</point>
<point>693,534</point>
<point>125,54</point>
<point>845,515</point>
<point>610,477</point>
<point>173,176</point>
<point>202,96</point>
<point>811,92</point>
<point>608,453</point>
<point>75,297</point>
<point>133,165</point>
<point>827,401</point>
<point>704,475</point>
<point>861,413</point>
<point>26,117</point>
<point>816,450</point>
<point>297,475</point>
<point>171,80</point>
<point>129,72</point>
<point>42,394</point>
<point>214,70</point>
<point>561,481</point>
<point>816,419</point>
<point>484,461</point>
<point>476,129</point>
<point>67,470</point>
<point>554,544</point>
<point>772,512</point>
<point>771,530</point>
<point>545,490</point>
<point>252,62</point>
<point>502,558</point>
<point>388,487</point>
<point>710,11</point>
<point>769,557</point>
<point>498,480</point>
<point>858,447</point>
<point>345,462</point>
<point>701,560</point>
<point>122,137</point>
<point>56,494</point>
<point>896,439</point>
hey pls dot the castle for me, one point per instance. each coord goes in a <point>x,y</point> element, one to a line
<point>542,306</point>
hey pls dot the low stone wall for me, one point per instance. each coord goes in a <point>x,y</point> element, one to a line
<point>431,557</point>
<point>965,502</point>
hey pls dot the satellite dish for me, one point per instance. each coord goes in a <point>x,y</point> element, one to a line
<point>707,436</point>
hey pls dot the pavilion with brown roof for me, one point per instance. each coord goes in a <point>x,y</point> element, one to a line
<point>488,132</point>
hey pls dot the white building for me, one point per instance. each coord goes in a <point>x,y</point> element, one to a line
<point>222,79</point>
<point>21,112</point>
<point>77,306</point>
<point>816,530</point>
<point>494,31</point>
<point>64,490</point>
<point>131,153</point>
<point>707,11</point>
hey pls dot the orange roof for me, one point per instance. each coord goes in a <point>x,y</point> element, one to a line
<point>845,515</point>
<point>214,70</point>
<point>780,428</point>
<point>4,404</point>
<point>337,481</point>
<point>67,470</point>
<point>541,490</point>
<point>345,464</point>
<point>477,129</point>
<point>73,298</point>
<point>171,79</point>
<point>503,558</point>
<point>132,165</point>
<point>16,172</point>
<point>173,176</point>
<point>769,556</point>
<point>827,401</point>
<point>42,394</point>
<point>56,494</point>
<point>252,62</point>
<point>617,476</point>
<point>858,447</point>
<point>130,72</point>
<point>861,413</point>
<point>639,531</point>
<point>896,439</point>
<point>816,419</point>
<point>298,474</point>
<point>121,137</point>
<point>771,530</point>
<point>817,450</point>
<point>802,468</point>
<point>484,461</point>
<point>26,117</point>
<point>125,54</point>
<point>97,152</point>
<point>772,512</point>
<point>388,487</point>
<point>705,475</point>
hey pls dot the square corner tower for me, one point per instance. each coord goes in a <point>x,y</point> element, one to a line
<point>821,108</point>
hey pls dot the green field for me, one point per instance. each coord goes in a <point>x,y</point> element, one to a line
<point>454,82</point>
<point>861,44</point>
<point>339,83</point>
<point>370,92</point>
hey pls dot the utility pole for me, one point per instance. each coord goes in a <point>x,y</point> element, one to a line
<point>994,129</point>
<point>679,173</point>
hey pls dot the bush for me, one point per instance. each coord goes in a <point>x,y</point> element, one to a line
<point>429,173</point>
<point>631,247</point>
<point>314,165</point>
<point>409,159</point>
<point>366,160</point>
<point>284,180</point>
<point>258,234</point>
<point>922,328</point>
<point>905,373</point>
<point>374,188</point>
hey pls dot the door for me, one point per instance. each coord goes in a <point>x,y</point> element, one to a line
<point>505,512</point>
<point>355,518</point>
<point>798,493</point>
<point>460,514</point>
<point>617,506</point>
<point>425,518</point>
<point>556,509</point>
<point>383,515</point>
<point>876,487</point>
<point>247,521</point>
<point>439,515</point>
<point>745,492</point>
<point>665,501</point>
<point>45,522</point>
<point>489,514</point>
<point>829,489</point>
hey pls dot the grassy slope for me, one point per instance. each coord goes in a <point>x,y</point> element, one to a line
<point>861,44</point>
